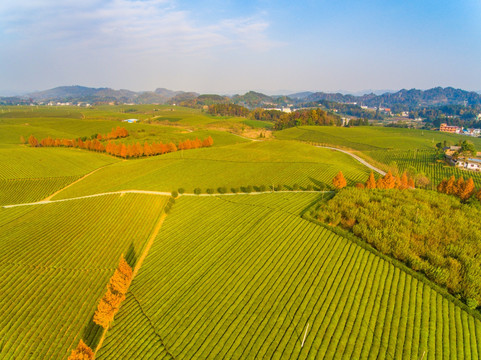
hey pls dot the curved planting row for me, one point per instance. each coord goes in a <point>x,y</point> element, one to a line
<point>35,163</point>
<point>55,262</point>
<point>18,191</point>
<point>242,278</point>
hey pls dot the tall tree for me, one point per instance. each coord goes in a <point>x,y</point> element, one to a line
<point>117,288</point>
<point>450,188</point>
<point>32,140</point>
<point>389,180</point>
<point>468,190</point>
<point>339,181</point>
<point>82,352</point>
<point>371,182</point>
<point>404,181</point>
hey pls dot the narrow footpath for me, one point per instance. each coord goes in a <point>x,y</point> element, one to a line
<point>362,161</point>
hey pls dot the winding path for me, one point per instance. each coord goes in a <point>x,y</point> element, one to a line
<point>362,161</point>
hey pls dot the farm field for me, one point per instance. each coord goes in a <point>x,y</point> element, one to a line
<point>245,279</point>
<point>254,163</point>
<point>423,161</point>
<point>408,148</point>
<point>238,276</point>
<point>55,262</point>
<point>370,138</point>
<point>31,174</point>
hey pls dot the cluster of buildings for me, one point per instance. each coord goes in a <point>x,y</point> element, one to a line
<point>459,130</point>
<point>473,164</point>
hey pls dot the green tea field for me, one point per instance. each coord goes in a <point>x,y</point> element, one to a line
<point>255,163</point>
<point>226,262</point>
<point>247,278</point>
<point>54,265</point>
<point>389,148</point>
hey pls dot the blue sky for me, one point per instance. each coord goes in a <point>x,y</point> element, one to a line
<point>235,46</point>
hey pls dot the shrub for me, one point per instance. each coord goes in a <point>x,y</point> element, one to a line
<point>309,187</point>
<point>472,303</point>
<point>175,194</point>
<point>295,187</point>
<point>222,190</point>
<point>181,191</point>
<point>197,191</point>
<point>210,191</point>
<point>234,190</point>
<point>262,188</point>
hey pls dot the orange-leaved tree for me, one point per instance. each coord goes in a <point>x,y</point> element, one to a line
<point>32,140</point>
<point>404,181</point>
<point>339,181</point>
<point>117,288</point>
<point>371,182</point>
<point>82,352</point>
<point>468,190</point>
<point>389,181</point>
<point>450,188</point>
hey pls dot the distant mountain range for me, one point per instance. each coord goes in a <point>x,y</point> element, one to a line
<point>409,99</point>
<point>76,94</point>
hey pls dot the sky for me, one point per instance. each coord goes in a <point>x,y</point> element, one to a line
<point>227,47</point>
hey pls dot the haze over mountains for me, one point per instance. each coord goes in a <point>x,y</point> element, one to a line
<point>411,98</point>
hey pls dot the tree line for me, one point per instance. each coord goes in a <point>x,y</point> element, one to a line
<point>228,110</point>
<point>458,187</point>
<point>108,306</point>
<point>388,181</point>
<point>120,149</point>
<point>282,120</point>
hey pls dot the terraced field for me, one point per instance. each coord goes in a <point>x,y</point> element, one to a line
<point>242,277</point>
<point>255,163</point>
<point>55,262</point>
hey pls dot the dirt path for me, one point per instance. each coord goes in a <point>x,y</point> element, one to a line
<point>362,161</point>
<point>161,193</point>
<point>48,198</point>
<point>245,137</point>
<point>149,244</point>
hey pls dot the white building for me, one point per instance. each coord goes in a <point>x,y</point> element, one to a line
<point>469,164</point>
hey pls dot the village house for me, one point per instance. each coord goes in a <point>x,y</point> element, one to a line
<point>449,129</point>
<point>473,164</point>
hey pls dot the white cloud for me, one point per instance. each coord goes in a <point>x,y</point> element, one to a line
<point>149,26</point>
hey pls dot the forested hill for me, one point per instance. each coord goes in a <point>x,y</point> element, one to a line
<point>401,100</point>
<point>409,99</point>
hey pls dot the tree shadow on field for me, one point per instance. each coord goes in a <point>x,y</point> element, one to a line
<point>131,256</point>
<point>319,185</point>
<point>92,333</point>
